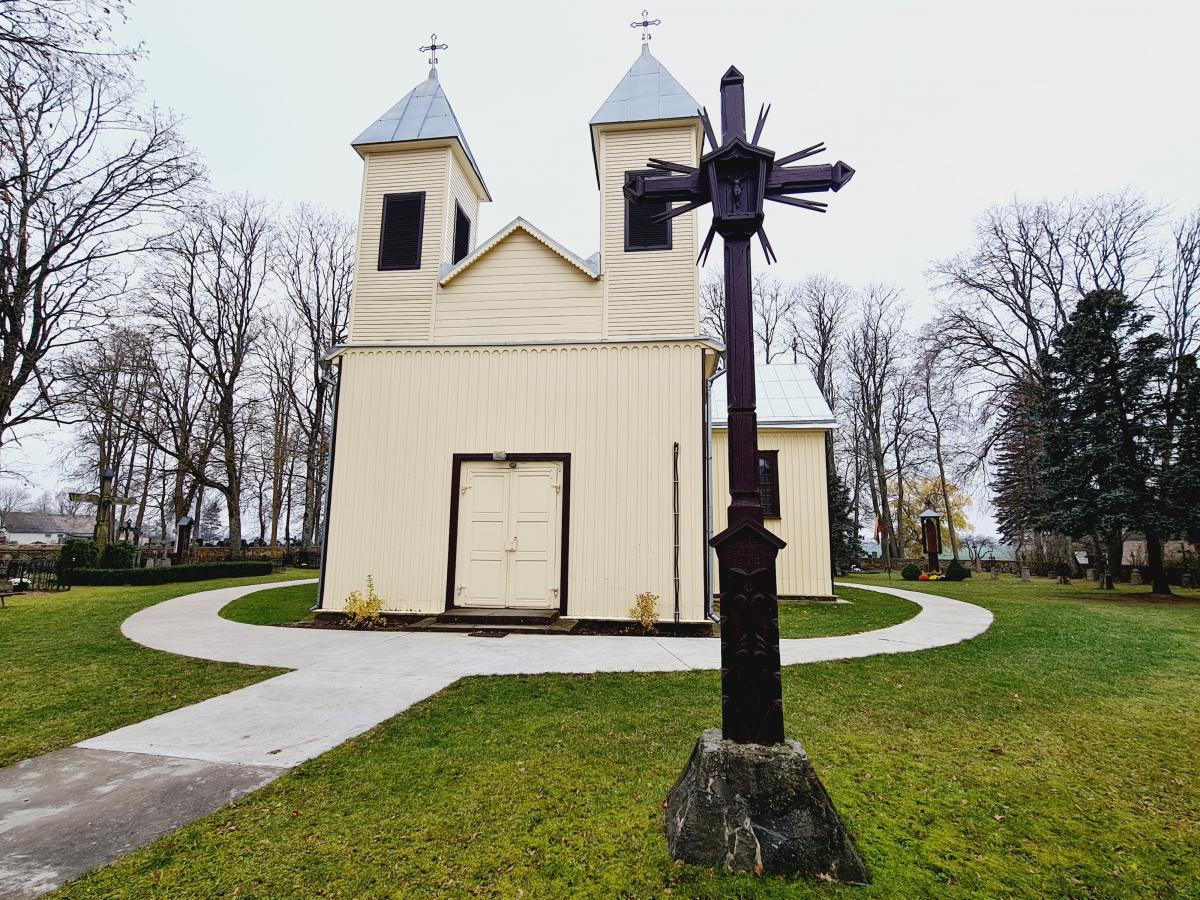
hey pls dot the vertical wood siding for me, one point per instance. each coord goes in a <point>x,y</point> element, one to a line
<point>616,409</point>
<point>803,567</point>
<point>519,290</point>
<point>398,305</point>
<point>648,293</point>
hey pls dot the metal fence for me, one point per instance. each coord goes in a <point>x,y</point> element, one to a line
<point>34,575</point>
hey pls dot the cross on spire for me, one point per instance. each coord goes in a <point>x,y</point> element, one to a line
<point>432,50</point>
<point>645,24</point>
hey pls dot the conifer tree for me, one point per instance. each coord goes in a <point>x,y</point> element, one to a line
<point>845,547</point>
<point>1101,413</point>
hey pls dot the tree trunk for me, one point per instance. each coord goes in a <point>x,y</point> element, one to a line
<point>1158,571</point>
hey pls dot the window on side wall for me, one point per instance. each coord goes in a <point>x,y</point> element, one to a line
<point>400,230</point>
<point>641,231</point>
<point>768,482</point>
<point>462,234</point>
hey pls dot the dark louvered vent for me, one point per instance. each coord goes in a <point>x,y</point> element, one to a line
<point>400,234</point>
<point>462,233</point>
<point>641,231</point>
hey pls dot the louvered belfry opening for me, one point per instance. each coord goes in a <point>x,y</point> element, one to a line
<point>641,231</point>
<point>462,234</point>
<point>400,231</point>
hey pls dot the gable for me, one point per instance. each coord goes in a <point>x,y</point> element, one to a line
<point>517,287</point>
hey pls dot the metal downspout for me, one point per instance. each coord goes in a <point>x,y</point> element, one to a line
<point>336,379</point>
<point>675,461</point>
<point>708,507</point>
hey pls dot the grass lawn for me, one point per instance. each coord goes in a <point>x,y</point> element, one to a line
<point>867,611</point>
<point>67,673</point>
<point>278,606</point>
<point>1053,756</point>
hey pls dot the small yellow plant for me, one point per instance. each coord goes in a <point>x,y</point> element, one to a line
<point>364,612</point>
<point>645,611</point>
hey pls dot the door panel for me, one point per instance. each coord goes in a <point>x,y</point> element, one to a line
<point>508,535</point>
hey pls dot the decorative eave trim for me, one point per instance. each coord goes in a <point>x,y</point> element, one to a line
<point>338,349</point>
<point>533,231</point>
<point>787,425</point>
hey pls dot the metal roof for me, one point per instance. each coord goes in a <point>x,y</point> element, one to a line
<point>787,397</point>
<point>47,523</point>
<point>423,114</point>
<point>589,266</point>
<point>647,92</point>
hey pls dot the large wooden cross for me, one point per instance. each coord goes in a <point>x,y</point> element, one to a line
<point>736,177</point>
<point>104,502</point>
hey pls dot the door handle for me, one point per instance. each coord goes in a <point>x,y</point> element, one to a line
<point>512,548</point>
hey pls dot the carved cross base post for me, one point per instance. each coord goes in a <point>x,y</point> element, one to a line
<point>751,688</point>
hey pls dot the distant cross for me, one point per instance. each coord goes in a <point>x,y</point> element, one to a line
<point>645,24</point>
<point>432,50</point>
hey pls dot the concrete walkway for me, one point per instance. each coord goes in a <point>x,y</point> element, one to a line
<point>65,813</point>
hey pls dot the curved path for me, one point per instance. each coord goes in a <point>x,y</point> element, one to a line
<point>347,681</point>
<point>67,812</point>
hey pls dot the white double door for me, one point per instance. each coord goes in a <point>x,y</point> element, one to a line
<point>509,517</point>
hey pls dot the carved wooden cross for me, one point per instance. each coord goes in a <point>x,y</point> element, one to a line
<point>736,177</point>
<point>104,502</point>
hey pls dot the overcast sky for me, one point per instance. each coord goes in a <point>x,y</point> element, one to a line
<point>944,108</point>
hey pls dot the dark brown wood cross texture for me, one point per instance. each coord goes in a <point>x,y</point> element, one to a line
<point>736,177</point>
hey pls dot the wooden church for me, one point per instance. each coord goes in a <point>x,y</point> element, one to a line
<point>519,427</point>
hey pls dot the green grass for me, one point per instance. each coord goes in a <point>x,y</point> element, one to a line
<point>1053,756</point>
<point>67,673</point>
<point>278,606</point>
<point>865,612</point>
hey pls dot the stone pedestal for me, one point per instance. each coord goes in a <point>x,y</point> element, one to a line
<point>1024,574</point>
<point>758,809</point>
<point>1090,575</point>
<point>995,573</point>
<point>1135,575</point>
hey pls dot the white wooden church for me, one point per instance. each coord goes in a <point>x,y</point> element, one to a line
<point>521,427</point>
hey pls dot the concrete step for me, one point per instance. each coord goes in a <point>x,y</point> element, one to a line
<point>497,617</point>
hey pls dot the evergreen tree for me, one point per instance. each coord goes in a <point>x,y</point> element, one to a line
<point>1101,413</point>
<point>845,547</point>
<point>1181,484</point>
<point>1018,495</point>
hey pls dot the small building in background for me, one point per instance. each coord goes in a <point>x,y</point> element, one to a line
<point>793,419</point>
<point>45,528</point>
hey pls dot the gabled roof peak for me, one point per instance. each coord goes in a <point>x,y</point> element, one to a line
<point>589,266</point>
<point>423,114</point>
<point>646,93</point>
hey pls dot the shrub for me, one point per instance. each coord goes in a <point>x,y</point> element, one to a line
<point>171,574</point>
<point>76,554</point>
<point>117,555</point>
<point>956,571</point>
<point>363,612</point>
<point>910,572</point>
<point>645,611</point>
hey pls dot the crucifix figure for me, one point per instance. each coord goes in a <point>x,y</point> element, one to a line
<point>736,176</point>
<point>748,772</point>
<point>432,50</point>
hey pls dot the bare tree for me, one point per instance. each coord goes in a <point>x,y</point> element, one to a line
<point>13,497</point>
<point>208,300</point>
<point>774,304</point>
<point>943,411</point>
<point>315,268</point>
<point>49,31</point>
<point>81,175</point>
<point>815,328</point>
<point>712,307</point>
<point>873,357</point>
